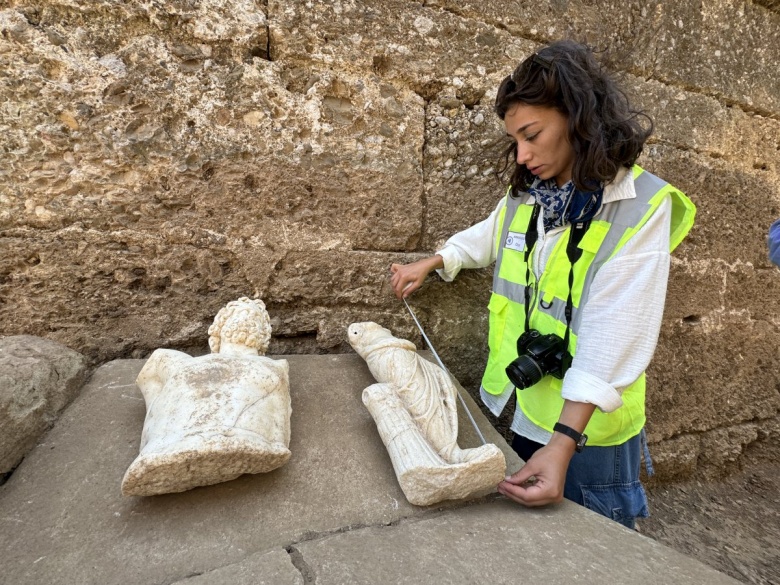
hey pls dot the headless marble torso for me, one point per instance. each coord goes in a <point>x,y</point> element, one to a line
<point>224,393</point>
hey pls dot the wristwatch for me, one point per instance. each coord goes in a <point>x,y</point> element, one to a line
<point>579,438</point>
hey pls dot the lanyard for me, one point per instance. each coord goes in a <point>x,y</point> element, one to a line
<point>573,253</point>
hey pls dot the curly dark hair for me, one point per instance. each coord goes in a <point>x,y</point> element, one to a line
<point>604,130</point>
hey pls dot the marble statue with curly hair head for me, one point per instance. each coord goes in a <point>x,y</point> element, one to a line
<point>212,418</point>
<point>244,322</point>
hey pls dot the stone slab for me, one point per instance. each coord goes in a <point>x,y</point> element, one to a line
<point>335,507</point>
<point>499,542</point>
<point>272,567</point>
<point>62,517</point>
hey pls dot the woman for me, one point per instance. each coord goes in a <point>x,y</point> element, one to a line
<point>581,244</point>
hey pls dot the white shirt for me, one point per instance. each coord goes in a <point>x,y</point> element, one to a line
<point>621,320</point>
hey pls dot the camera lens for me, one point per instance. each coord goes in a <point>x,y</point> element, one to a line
<point>524,372</point>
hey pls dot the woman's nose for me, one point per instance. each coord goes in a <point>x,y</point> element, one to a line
<point>522,155</point>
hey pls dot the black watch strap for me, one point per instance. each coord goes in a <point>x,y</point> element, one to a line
<point>579,438</point>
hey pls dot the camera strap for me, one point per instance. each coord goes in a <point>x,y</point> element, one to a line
<point>573,253</point>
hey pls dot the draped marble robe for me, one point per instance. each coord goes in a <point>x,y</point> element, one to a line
<point>415,410</point>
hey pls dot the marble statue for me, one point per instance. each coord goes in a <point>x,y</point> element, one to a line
<point>212,418</point>
<point>415,410</point>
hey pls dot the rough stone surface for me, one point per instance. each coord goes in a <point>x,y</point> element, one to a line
<point>38,379</point>
<point>718,47</point>
<point>715,367</point>
<point>161,159</point>
<point>266,568</point>
<point>334,511</point>
<point>469,548</point>
<point>770,4</point>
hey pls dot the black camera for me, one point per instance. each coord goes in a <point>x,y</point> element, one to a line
<point>537,356</point>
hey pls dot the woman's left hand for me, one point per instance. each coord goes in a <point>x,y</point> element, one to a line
<point>541,480</point>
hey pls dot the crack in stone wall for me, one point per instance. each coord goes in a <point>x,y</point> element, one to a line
<point>268,53</point>
<point>707,92</point>
<point>425,179</point>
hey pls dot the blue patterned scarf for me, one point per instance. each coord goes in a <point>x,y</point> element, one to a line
<point>562,205</point>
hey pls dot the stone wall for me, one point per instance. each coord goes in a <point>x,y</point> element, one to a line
<point>161,158</point>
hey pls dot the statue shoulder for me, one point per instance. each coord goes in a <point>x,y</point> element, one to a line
<point>160,363</point>
<point>280,366</point>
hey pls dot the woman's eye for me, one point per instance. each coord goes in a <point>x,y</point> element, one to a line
<point>532,137</point>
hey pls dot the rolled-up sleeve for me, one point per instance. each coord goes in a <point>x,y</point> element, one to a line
<point>622,318</point>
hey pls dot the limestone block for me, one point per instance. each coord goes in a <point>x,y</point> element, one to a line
<point>414,407</point>
<point>689,120</point>
<point>211,20</point>
<point>212,418</point>
<point>725,47</point>
<point>406,43</point>
<point>714,185</point>
<point>696,381</point>
<point>675,458</point>
<point>38,379</point>
<point>463,152</point>
<point>239,24</point>
<point>198,272</point>
<point>148,133</point>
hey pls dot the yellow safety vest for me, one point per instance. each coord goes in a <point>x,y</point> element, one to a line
<point>616,224</point>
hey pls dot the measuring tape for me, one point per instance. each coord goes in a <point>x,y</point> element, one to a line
<point>438,359</point>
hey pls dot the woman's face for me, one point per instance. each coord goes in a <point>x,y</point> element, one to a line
<point>542,138</point>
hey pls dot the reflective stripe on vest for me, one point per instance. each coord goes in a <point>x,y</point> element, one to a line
<point>617,222</point>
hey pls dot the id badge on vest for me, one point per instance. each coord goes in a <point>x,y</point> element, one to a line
<point>515,241</point>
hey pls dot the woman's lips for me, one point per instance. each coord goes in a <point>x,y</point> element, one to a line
<point>535,170</point>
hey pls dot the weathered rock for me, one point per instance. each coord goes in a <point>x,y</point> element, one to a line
<point>724,48</point>
<point>770,4</point>
<point>689,121</point>
<point>461,183</point>
<point>675,458</point>
<point>38,379</point>
<point>713,453</point>
<point>408,43</point>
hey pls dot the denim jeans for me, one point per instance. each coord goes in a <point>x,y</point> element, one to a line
<point>603,479</point>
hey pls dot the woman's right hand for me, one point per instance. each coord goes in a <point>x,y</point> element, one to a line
<point>407,278</point>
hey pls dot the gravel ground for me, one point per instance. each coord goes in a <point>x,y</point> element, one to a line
<point>732,524</point>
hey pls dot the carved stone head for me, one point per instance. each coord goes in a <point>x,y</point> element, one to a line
<point>244,322</point>
<point>369,336</point>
